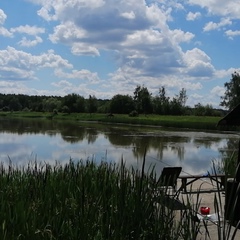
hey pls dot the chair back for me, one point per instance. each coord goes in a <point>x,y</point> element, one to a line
<point>169,176</point>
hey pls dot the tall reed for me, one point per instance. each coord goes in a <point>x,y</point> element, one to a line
<point>86,200</point>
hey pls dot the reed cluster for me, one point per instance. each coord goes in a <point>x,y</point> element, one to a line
<point>85,200</point>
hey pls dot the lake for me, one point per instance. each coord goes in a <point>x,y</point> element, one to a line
<point>26,140</point>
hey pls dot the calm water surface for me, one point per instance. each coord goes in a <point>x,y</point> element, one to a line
<point>50,141</point>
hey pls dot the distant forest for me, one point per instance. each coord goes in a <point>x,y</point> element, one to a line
<point>142,102</point>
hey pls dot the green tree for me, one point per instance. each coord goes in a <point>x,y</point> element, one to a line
<point>122,104</point>
<point>209,111</point>
<point>161,102</point>
<point>74,102</point>
<point>232,93</point>
<point>70,101</point>
<point>178,103</point>
<point>65,109</point>
<point>92,104</point>
<point>80,104</point>
<point>36,103</point>
<point>14,104</point>
<point>103,105</point>
<point>175,107</point>
<point>200,110</point>
<point>50,104</point>
<point>143,101</point>
<point>182,97</point>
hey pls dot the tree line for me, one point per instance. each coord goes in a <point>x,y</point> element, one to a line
<point>142,102</point>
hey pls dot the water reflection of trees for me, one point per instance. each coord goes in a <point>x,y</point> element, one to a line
<point>23,126</point>
<point>141,142</point>
<point>73,134</point>
<point>231,146</point>
<point>70,131</point>
<point>229,156</point>
<point>179,151</point>
<point>91,135</point>
<point>138,139</point>
<point>207,143</point>
<point>141,145</point>
<point>160,145</point>
<point>119,139</point>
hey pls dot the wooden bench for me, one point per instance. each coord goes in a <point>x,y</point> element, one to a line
<point>219,178</point>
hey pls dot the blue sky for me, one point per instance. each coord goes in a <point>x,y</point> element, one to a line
<point>108,47</point>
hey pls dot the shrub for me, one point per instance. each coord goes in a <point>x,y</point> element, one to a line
<point>133,114</point>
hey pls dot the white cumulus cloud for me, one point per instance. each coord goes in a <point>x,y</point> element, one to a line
<point>30,43</point>
<point>218,91</point>
<point>19,65</point>
<point>30,30</point>
<point>193,16</point>
<point>3,31</point>
<point>214,26</point>
<point>129,15</point>
<point>219,7</point>
<point>198,63</point>
<point>67,33</point>
<point>231,33</point>
<point>83,74</point>
<point>3,17</point>
<point>84,49</point>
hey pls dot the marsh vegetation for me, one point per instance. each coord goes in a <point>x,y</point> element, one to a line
<point>83,200</point>
<point>86,200</point>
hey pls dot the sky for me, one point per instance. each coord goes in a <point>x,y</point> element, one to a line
<point>109,47</point>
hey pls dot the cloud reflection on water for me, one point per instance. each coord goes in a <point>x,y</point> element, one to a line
<point>52,141</point>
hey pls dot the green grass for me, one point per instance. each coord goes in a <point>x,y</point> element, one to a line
<point>191,122</point>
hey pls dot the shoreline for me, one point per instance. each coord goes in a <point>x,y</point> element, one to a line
<point>184,122</point>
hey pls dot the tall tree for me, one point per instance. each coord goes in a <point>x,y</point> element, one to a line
<point>182,97</point>
<point>92,104</point>
<point>51,103</point>
<point>161,102</point>
<point>14,104</point>
<point>143,100</point>
<point>232,93</point>
<point>121,104</point>
<point>178,103</point>
<point>74,102</point>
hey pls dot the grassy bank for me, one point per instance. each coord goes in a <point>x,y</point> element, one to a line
<point>192,122</point>
<point>85,201</point>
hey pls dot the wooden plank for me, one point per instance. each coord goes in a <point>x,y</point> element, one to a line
<point>194,178</point>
